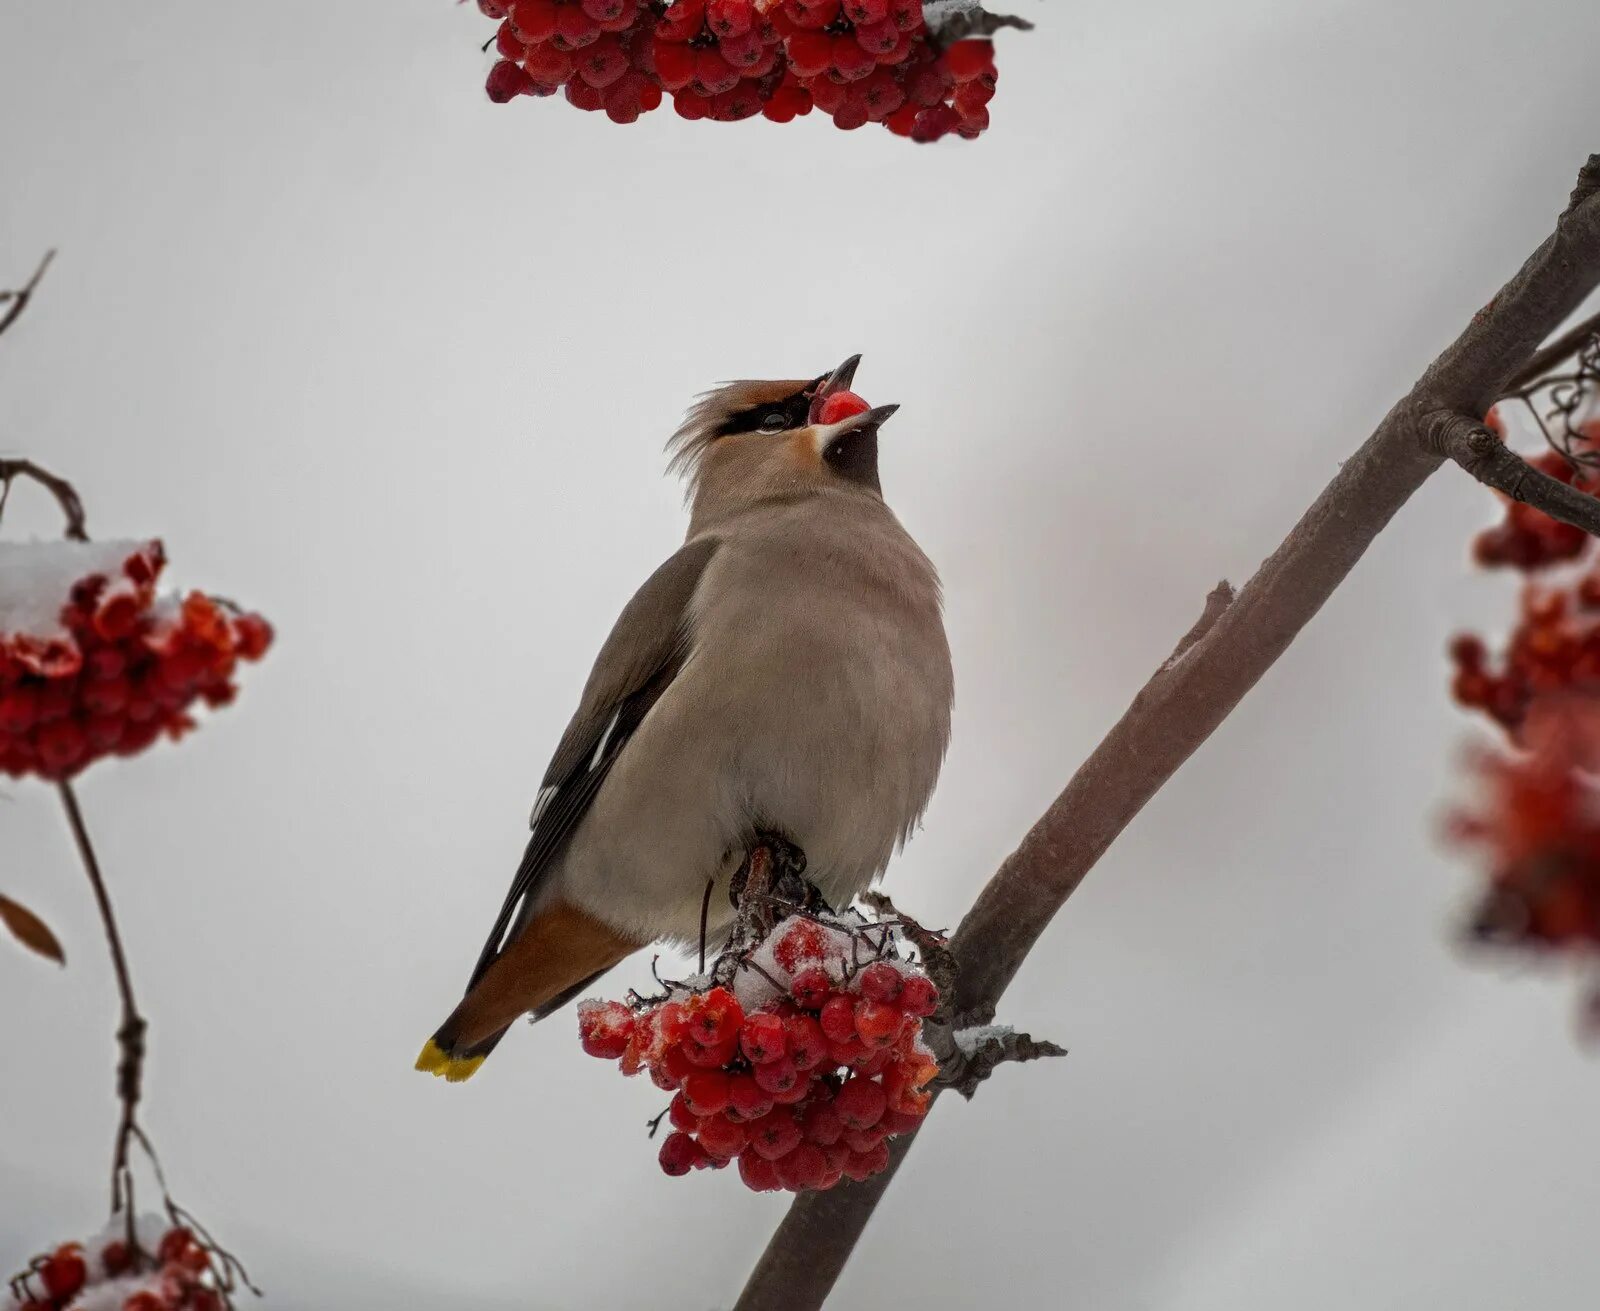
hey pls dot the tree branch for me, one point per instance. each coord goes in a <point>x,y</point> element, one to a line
<point>130,1033</point>
<point>17,301</point>
<point>1185,701</point>
<point>1491,462</point>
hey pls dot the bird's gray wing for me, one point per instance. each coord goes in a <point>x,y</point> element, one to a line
<point>646,649</point>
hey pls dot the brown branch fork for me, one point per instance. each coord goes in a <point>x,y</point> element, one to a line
<point>1221,659</point>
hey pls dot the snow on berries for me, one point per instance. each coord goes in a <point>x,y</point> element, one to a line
<point>800,1065</point>
<point>95,661</point>
<point>168,1268</point>
<point>856,61</point>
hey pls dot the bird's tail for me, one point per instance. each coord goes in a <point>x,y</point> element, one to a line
<point>558,953</point>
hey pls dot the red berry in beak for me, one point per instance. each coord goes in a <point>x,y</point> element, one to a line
<point>840,405</point>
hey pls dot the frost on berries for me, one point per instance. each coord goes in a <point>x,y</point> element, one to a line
<point>856,61</point>
<point>801,1069</point>
<point>95,661</point>
<point>171,1270</point>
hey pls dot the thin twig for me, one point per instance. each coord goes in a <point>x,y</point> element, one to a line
<point>65,493</point>
<point>131,1031</point>
<point>1547,358</point>
<point>18,300</point>
<point>1491,462</point>
<point>1184,703</point>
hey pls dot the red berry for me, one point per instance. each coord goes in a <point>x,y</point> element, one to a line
<point>849,60</point>
<point>575,28</point>
<point>534,20</point>
<point>714,1017</point>
<point>812,986</point>
<point>810,53</point>
<point>713,74</point>
<point>778,1076</point>
<point>680,1154</point>
<point>860,1103</point>
<point>876,1062</point>
<point>775,1134</point>
<point>808,1045</point>
<point>758,1173</point>
<point>707,1091</point>
<point>675,1066</point>
<point>509,44</point>
<point>604,1028</point>
<point>863,1140</point>
<point>730,17</point>
<point>710,1058</point>
<point>763,1037</point>
<point>722,1137</point>
<point>838,1018</point>
<point>603,11</point>
<point>878,38</point>
<point>907,14</point>
<point>880,981</point>
<point>115,1257</point>
<point>849,1052</point>
<point>548,65</point>
<point>973,96</point>
<point>144,1300</point>
<point>674,63</point>
<point>969,59</point>
<point>918,996</point>
<point>821,1124</point>
<point>799,942</point>
<point>804,1167</point>
<point>691,104</point>
<point>683,20</point>
<point>812,15</point>
<point>681,1116</point>
<point>877,1022</point>
<point>841,405</point>
<point>744,52</point>
<point>65,1272</point>
<point>174,1243</point>
<point>746,1098</point>
<point>602,63</point>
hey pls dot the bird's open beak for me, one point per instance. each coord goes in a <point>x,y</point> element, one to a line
<point>875,418</point>
<point>839,380</point>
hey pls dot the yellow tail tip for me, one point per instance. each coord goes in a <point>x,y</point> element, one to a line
<point>453,1069</point>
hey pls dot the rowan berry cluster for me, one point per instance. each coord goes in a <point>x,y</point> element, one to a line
<point>176,1273</point>
<point>1537,817</point>
<point>1538,822</point>
<point>857,61</point>
<point>95,662</point>
<point>801,1069</point>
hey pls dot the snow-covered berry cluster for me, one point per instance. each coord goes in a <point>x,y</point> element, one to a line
<point>857,61</point>
<point>94,661</point>
<point>169,1270</point>
<point>801,1068</point>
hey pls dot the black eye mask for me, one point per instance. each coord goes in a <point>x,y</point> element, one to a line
<point>793,410</point>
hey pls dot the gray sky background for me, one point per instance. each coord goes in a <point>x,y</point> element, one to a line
<point>395,365</point>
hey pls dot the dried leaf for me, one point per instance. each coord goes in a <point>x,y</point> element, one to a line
<point>31,931</point>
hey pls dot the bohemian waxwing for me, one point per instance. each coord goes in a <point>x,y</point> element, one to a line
<point>786,672</point>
